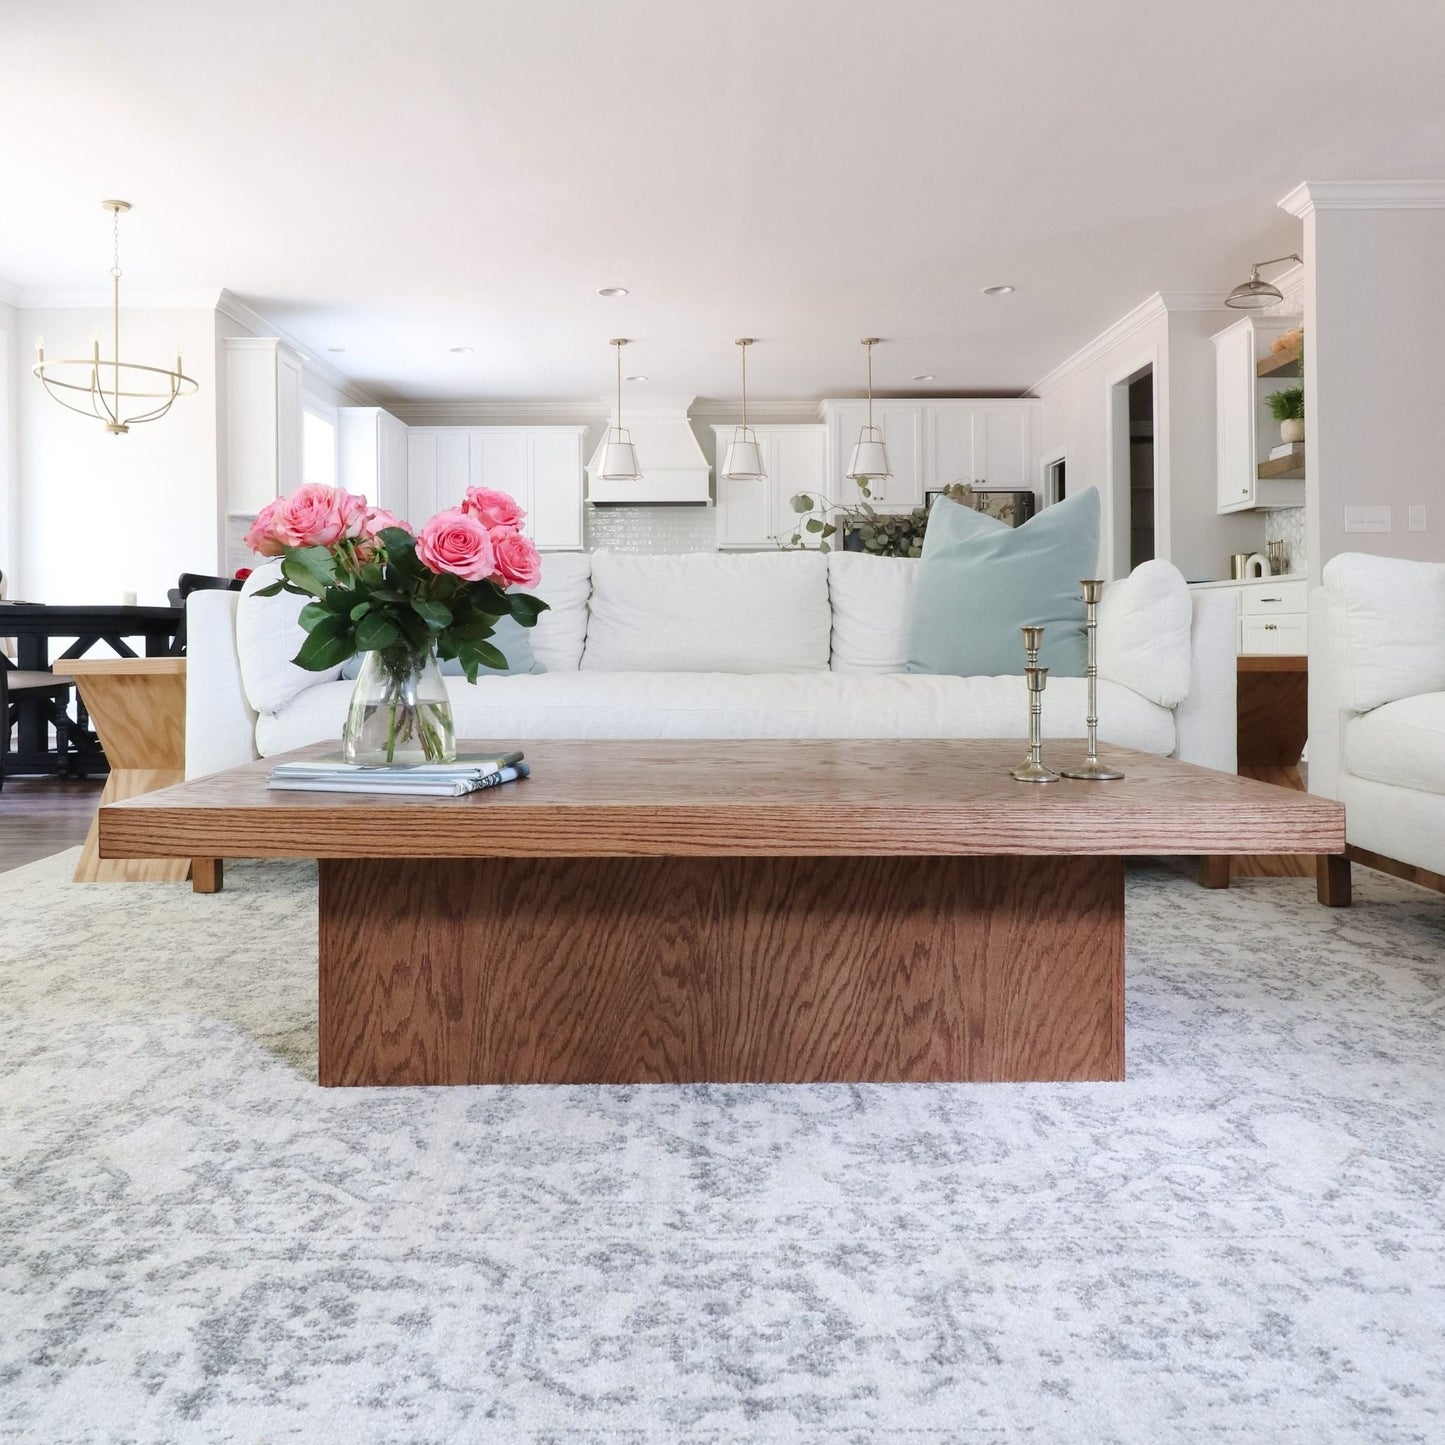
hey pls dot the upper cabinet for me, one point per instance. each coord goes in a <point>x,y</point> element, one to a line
<point>262,422</point>
<point>756,513</point>
<point>1246,431</point>
<point>372,456</point>
<point>540,466</point>
<point>932,443</point>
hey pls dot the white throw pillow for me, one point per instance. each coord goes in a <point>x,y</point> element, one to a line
<point>561,631</point>
<point>709,612</point>
<point>872,598</point>
<point>268,636</point>
<point>1144,622</point>
<point>1393,640</point>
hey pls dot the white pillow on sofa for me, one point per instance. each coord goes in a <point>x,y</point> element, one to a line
<point>1393,638</point>
<point>872,599</point>
<point>1144,623</point>
<point>268,636</point>
<point>561,631</point>
<point>708,612</point>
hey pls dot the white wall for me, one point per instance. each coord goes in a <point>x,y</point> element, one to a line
<point>1075,419</point>
<point>1374,373</point>
<point>101,514</point>
<point>11,354</point>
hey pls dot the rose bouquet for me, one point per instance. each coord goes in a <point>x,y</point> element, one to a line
<point>403,600</point>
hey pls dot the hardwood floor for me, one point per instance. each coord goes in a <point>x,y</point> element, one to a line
<point>41,816</point>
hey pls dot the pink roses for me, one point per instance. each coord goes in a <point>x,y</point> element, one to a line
<point>479,541</point>
<point>457,543</point>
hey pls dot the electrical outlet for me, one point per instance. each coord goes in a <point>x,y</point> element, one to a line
<point>1367,519</point>
<point>1417,519</point>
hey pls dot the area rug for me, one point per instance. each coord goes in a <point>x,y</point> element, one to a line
<point>1242,1243</point>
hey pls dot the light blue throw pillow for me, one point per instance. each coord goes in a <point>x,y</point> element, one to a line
<point>509,635</point>
<point>981,581</point>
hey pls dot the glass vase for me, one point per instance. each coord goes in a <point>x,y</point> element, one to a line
<point>400,712</point>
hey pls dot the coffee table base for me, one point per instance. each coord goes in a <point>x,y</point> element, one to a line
<point>681,970</point>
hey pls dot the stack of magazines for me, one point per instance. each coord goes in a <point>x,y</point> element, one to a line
<point>469,774</point>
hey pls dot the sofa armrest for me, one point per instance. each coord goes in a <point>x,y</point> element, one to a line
<point>1205,728</point>
<point>1328,711</point>
<point>220,725</point>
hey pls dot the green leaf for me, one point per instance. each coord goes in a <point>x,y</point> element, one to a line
<point>814,524</point>
<point>526,608</point>
<point>313,569</point>
<point>434,614</point>
<point>312,614</point>
<point>488,655</point>
<point>375,631</point>
<point>802,502</point>
<point>360,611</point>
<point>829,529</point>
<point>328,644</point>
<point>272,590</point>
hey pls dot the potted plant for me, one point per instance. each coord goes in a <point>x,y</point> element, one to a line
<point>1288,407</point>
<point>863,527</point>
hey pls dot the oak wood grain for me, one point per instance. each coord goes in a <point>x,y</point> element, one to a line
<point>1408,871</point>
<point>777,799</point>
<point>644,970</point>
<point>1271,728</point>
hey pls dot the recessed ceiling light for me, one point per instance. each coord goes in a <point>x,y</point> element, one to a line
<point>997,290</point>
<point>925,376</point>
<point>336,350</point>
<point>612,290</point>
<point>461,350</point>
<point>636,378</point>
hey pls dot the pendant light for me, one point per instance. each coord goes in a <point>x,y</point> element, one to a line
<point>106,386</point>
<point>619,457</point>
<point>744,460</point>
<point>1254,294</point>
<point>870,457</point>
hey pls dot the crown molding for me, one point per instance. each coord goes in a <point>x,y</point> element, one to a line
<point>779,410</point>
<point>498,413</point>
<point>1311,196</point>
<point>1142,315</point>
<point>229,305</point>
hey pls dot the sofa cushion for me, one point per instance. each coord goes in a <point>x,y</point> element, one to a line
<point>708,612</point>
<point>1400,742</point>
<point>561,631</point>
<point>268,636</point>
<point>980,581</point>
<point>1392,641</point>
<point>872,599</point>
<point>1144,624</point>
<point>777,705</point>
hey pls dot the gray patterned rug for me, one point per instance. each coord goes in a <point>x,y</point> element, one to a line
<point>1243,1243</point>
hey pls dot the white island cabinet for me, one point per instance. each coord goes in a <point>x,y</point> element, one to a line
<point>540,466</point>
<point>756,513</point>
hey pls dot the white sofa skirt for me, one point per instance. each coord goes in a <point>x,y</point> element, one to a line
<point>727,705</point>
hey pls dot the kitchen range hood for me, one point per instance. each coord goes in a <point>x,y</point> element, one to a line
<point>674,470</point>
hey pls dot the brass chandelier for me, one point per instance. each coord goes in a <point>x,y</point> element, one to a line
<point>103,389</point>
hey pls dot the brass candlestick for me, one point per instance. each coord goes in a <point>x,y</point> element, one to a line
<point>1091,770</point>
<point>1032,769</point>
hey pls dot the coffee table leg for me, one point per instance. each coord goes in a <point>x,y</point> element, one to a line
<point>650,970</point>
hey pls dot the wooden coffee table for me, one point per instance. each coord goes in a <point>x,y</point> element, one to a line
<point>727,911</point>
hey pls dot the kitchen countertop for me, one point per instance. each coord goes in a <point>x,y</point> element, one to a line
<point>1255,581</point>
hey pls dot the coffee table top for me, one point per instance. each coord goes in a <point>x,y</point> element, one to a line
<point>801,799</point>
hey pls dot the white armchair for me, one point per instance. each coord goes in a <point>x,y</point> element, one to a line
<point>1377,716</point>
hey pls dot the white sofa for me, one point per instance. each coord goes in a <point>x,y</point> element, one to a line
<point>728,645</point>
<point>1377,714</point>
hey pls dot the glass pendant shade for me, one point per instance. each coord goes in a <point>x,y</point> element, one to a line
<point>619,458</point>
<point>870,457</point>
<point>1253,295</point>
<point>744,459</point>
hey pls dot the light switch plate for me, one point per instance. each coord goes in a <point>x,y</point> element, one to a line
<point>1367,519</point>
<point>1417,519</point>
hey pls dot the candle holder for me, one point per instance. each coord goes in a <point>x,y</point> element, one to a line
<point>1091,770</point>
<point>1032,769</point>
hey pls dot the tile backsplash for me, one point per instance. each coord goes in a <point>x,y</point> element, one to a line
<point>1287,525</point>
<point>652,529</point>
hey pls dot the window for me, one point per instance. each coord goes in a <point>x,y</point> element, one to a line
<point>318,448</point>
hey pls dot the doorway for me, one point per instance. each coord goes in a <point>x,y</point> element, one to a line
<point>1133,465</point>
<point>1141,469</point>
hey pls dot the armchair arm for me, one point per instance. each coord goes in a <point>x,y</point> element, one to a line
<point>1204,723</point>
<point>220,725</point>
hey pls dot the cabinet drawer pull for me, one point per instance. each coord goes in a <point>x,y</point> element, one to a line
<point>1271,599</point>
<point>1270,627</point>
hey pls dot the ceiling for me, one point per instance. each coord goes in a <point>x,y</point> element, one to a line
<point>399,179</point>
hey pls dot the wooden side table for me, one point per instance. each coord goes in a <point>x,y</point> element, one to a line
<point>138,706</point>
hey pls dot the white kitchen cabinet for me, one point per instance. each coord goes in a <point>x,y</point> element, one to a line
<point>262,422</point>
<point>756,513</point>
<point>1245,428</point>
<point>540,466</point>
<point>935,442</point>
<point>1271,613</point>
<point>372,454</point>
